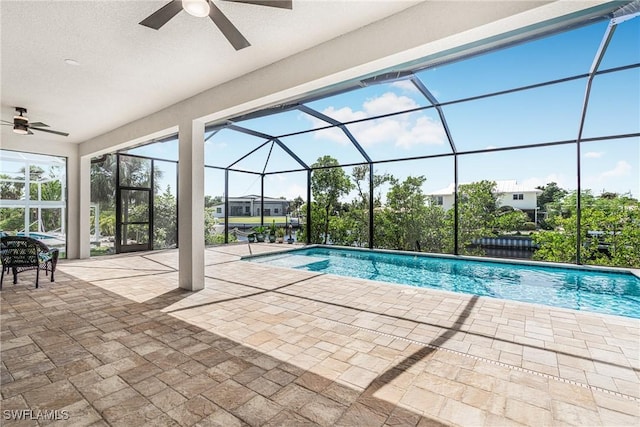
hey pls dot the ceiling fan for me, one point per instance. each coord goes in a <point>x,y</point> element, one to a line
<point>22,126</point>
<point>202,8</point>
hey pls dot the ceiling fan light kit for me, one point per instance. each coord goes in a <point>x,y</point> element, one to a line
<point>20,123</point>
<point>20,130</point>
<point>197,8</point>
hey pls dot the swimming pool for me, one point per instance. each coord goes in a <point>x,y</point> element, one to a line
<point>578,289</point>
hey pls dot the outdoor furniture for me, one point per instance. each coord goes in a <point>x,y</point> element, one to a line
<point>19,254</point>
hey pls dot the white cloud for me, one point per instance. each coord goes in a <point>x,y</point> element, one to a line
<point>562,180</point>
<point>619,179</point>
<point>345,114</point>
<point>405,85</point>
<point>404,131</point>
<point>622,168</point>
<point>389,102</point>
<point>593,154</point>
<point>426,131</point>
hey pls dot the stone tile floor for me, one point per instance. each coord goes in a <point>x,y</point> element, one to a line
<point>113,342</point>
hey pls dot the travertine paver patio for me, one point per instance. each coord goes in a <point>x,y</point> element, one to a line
<point>114,342</point>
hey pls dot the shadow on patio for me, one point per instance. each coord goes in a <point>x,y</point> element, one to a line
<point>86,352</point>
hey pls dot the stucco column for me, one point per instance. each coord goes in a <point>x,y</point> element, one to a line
<point>191,206</point>
<point>84,207</point>
<point>78,201</point>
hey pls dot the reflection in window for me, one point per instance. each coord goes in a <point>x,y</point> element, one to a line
<point>33,197</point>
<point>135,172</point>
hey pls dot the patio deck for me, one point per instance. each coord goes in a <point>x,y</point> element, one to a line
<point>113,342</point>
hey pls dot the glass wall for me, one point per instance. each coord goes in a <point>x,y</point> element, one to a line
<point>147,196</point>
<point>165,204</point>
<point>33,197</point>
<point>103,204</point>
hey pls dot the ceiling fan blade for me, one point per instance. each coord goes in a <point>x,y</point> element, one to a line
<point>4,121</point>
<point>48,131</point>
<point>161,16</point>
<point>282,4</point>
<point>38,125</point>
<point>232,34</point>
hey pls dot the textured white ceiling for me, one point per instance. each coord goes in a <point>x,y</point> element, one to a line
<point>128,71</point>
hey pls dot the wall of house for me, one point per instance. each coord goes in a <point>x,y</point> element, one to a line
<point>272,206</point>
<point>447,202</point>
<point>529,201</point>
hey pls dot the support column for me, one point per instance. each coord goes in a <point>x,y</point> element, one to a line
<point>80,207</point>
<point>191,206</point>
<point>78,198</point>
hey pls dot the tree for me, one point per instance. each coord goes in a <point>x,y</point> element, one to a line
<point>511,220</point>
<point>358,211</point>
<point>165,220</point>
<point>44,185</point>
<point>477,208</point>
<point>551,193</point>
<point>610,231</point>
<point>296,205</point>
<point>437,236</point>
<point>211,201</point>
<point>10,190</point>
<point>134,172</point>
<point>329,182</point>
<point>317,224</point>
<point>406,214</point>
<point>103,182</point>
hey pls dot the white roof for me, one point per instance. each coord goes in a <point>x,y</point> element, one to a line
<point>503,186</point>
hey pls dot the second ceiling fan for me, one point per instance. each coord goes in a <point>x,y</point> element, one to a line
<point>202,8</point>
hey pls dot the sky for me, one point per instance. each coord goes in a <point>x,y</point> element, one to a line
<point>541,115</point>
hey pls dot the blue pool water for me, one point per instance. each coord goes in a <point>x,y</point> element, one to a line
<point>601,292</point>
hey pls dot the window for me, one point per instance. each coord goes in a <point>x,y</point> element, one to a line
<point>518,196</point>
<point>439,200</point>
<point>218,210</point>
<point>275,210</point>
<point>247,209</point>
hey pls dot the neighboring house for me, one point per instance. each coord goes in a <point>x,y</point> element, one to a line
<point>250,206</point>
<point>510,193</point>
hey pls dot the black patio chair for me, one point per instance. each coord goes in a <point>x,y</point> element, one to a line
<point>18,254</point>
